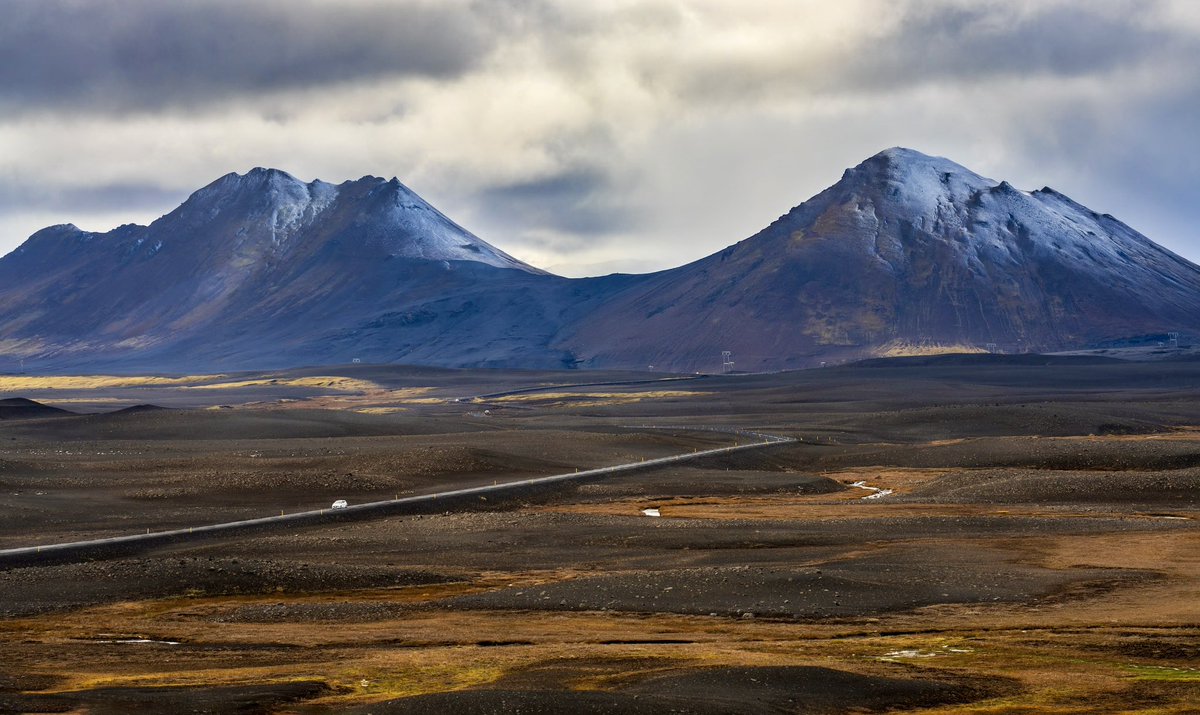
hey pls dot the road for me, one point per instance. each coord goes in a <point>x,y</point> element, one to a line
<point>419,504</point>
<point>574,385</point>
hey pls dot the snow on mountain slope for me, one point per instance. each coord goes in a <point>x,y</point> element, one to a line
<point>418,230</point>
<point>906,249</point>
<point>390,214</point>
<point>995,223</point>
<point>247,256</point>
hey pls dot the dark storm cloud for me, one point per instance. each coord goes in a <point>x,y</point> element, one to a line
<point>590,129</point>
<point>949,43</point>
<point>936,42</point>
<point>576,203</point>
<point>1138,162</point>
<point>148,54</point>
<point>88,199</point>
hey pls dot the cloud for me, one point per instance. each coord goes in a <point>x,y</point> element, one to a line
<point>573,206</point>
<point>623,133</point>
<point>135,55</point>
<point>936,42</point>
<point>87,199</point>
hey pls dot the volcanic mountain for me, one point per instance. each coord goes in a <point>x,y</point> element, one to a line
<point>905,251</point>
<point>262,270</point>
<point>19,408</point>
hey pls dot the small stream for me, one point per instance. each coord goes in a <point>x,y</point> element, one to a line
<point>877,493</point>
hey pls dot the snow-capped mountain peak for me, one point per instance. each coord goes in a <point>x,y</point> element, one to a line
<point>263,191</point>
<point>408,226</point>
<point>265,211</point>
<point>980,222</point>
<point>906,249</point>
<point>917,181</point>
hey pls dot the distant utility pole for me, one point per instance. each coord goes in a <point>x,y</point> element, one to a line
<point>726,361</point>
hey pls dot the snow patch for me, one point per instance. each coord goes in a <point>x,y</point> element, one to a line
<point>909,653</point>
<point>879,492</point>
<point>995,225</point>
<point>295,204</point>
<point>108,638</point>
<point>416,229</point>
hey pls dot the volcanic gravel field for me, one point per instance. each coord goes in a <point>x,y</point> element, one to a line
<point>999,535</point>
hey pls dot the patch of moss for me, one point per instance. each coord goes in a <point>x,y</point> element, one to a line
<point>1164,673</point>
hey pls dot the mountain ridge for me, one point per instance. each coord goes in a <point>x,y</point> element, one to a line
<point>918,249</point>
<point>263,270</point>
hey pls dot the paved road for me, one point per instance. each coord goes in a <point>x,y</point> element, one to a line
<point>569,386</point>
<point>420,504</point>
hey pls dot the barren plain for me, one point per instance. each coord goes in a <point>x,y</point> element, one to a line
<point>976,534</point>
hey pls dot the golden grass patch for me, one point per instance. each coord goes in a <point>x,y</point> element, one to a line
<point>18,383</point>
<point>1176,434</point>
<point>85,400</point>
<point>433,651</point>
<point>408,393</point>
<point>900,480</point>
<point>1167,673</point>
<point>849,504</point>
<point>328,382</point>
<point>903,349</point>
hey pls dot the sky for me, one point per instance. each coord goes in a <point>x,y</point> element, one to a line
<point>588,137</point>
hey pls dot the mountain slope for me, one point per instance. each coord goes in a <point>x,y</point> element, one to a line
<point>264,271</point>
<point>259,269</point>
<point>19,408</point>
<point>905,249</point>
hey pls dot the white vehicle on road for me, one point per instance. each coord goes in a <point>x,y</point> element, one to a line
<point>339,504</point>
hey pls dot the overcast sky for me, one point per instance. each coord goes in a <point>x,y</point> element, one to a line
<point>588,137</point>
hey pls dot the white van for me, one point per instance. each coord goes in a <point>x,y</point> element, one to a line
<point>339,504</point>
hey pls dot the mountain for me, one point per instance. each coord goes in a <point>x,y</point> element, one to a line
<point>263,270</point>
<point>906,252</point>
<point>19,408</point>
